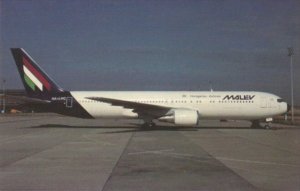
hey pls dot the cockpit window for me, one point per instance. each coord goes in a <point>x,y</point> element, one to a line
<point>280,100</point>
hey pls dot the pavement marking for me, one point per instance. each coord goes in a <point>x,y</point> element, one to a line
<point>28,155</point>
<point>168,153</point>
<point>256,172</point>
<point>151,152</point>
<point>96,140</point>
<point>11,139</point>
<point>117,162</point>
<point>257,162</point>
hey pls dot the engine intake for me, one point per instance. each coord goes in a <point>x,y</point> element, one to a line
<point>182,117</point>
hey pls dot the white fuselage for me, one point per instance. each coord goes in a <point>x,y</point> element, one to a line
<point>247,105</point>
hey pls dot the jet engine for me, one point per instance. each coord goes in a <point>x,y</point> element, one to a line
<point>182,117</point>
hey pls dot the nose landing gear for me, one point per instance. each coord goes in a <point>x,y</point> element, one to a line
<point>268,125</point>
<point>148,125</point>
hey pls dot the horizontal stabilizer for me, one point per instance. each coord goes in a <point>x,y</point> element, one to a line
<point>25,99</point>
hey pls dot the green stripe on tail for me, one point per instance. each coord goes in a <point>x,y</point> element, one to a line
<point>29,82</point>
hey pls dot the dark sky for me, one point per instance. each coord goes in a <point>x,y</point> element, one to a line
<point>156,45</point>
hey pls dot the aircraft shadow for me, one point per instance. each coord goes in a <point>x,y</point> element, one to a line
<point>133,127</point>
<point>128,127</point>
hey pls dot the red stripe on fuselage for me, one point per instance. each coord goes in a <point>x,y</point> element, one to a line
<point>37,74</point>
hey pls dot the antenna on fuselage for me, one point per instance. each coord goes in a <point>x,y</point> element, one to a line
<point>210,86</point>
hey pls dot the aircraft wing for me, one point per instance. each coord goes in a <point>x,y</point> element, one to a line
<point>142,109</point>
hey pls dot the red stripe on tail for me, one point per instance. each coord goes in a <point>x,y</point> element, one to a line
<point>37,74</point>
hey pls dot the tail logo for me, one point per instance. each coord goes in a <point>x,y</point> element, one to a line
<point>33,77</point>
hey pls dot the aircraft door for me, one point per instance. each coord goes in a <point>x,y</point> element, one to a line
<point>267,102</point>
<point>271,103</point>
<point>69,102</point>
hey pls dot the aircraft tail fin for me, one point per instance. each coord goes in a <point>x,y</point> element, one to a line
<point>36,82</point>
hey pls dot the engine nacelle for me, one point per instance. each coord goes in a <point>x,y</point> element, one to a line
<point>182,117</point>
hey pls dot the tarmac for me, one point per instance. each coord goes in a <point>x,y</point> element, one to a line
<point>52,152</point>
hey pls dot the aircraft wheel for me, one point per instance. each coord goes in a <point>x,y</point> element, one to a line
<point>148,125</point>
<point>268,126</point>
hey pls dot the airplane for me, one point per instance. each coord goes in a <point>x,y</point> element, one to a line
<point>181,108</point>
